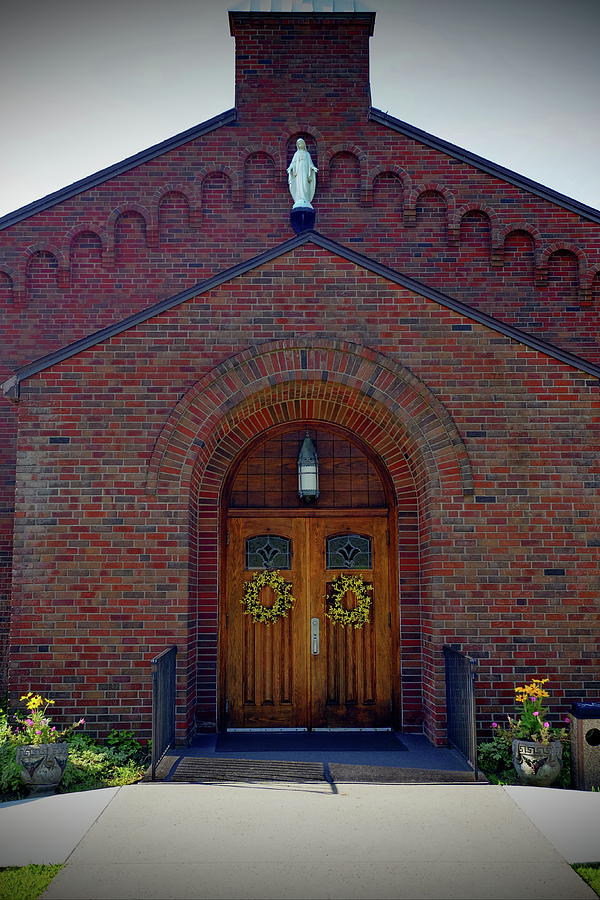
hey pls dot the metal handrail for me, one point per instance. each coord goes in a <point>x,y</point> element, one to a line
<point>163,704</point>
<point>461,673</point>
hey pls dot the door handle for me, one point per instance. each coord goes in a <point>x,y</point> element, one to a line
<point>314,636</point>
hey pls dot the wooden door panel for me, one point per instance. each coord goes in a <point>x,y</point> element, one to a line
<point>351,677</point>
<point>350,665</point>
<point>267,668</point>
<point>266,665</point>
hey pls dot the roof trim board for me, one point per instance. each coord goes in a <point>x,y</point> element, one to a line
<point>119,168</point>
<point>485,165</point>
<point>364,16</point>
<point>11,385</point>
<point>301,7</point>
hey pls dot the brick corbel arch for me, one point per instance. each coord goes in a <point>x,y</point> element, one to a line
<point>363,163</point>
<point>123,209</point>
<point>541,275</point>
<point>187,190</point>
<point>334,381</point>
<point>8,273</point>
<point>410,208</point>
<point>588,283</point>
<point>73,233</point>
<point>235,180</point>
<point>533,233</point>
<point>455,221</point>
<point>249,150</point>
<point>63,270</point>
<point>391,169</point>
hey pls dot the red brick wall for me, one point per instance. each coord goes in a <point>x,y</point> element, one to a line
<point>301,63</point>
<point>124,449</point>
<point>221,198</point>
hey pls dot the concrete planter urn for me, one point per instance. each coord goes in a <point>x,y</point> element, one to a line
<point>536,763</point>
<point>42,766</point>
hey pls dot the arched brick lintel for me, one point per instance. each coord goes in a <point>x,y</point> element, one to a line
<point>294,402</point>
<point>334,381</point>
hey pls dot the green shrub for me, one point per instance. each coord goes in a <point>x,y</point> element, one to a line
<point>87,768</point>
<point>118,760</point>
<point>496,755</point>
<point>11,786</point>
<point>125,744</point>
<point>128,773</point>
<point>79,740</point>
<point>494,758</point>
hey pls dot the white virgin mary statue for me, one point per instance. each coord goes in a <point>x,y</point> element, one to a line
<point>302,176</point>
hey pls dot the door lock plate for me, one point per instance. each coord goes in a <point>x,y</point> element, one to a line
<point>314,636</point>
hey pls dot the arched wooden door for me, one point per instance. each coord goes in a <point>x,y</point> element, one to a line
<point>304,670</point>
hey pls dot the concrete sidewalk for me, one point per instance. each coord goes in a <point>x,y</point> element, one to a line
<point>304,841</point>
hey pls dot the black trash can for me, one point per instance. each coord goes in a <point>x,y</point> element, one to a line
<point>585,744</point>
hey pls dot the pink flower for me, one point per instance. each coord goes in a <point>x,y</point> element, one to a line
<point>494,724</point>
<point>546,724</point>
<point>29,721</point>
<point>566,719</point>
<point>38,732</point>
<point>534,699</point>
<point>53,728</point>
<point>536,713</point>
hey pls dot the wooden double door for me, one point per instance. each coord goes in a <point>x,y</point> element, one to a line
<point>304,670</point>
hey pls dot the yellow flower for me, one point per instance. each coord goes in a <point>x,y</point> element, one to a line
<point>526,692</point>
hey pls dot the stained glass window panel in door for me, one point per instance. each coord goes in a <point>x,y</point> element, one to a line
<point>268,551</point>
<point>349,551</point>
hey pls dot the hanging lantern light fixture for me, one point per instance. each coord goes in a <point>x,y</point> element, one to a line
<point>308,471</point>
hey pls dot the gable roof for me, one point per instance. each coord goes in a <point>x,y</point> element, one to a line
<point>11,385</point>
<point>118,168</point>
<point>485,165</point>
<point>230,116</point>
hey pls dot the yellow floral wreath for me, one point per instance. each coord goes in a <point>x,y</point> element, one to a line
<point>283,596</point>
<point>360,614</point>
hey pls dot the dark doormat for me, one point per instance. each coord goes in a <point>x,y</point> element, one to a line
<point>196,769</point>
<point>342,773</point>
<point>308,741</point>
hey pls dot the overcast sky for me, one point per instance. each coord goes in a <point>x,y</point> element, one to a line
<point>86,84</point>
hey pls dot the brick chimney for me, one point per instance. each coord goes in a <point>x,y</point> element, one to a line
<point>290,64</point>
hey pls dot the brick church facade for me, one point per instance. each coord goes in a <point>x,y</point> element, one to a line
<point>169,340</point>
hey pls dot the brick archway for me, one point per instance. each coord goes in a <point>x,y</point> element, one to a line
<point>332,383</point>
<point>429,437</point>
